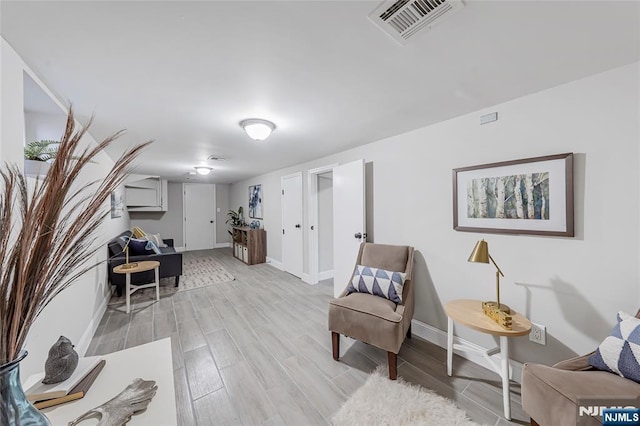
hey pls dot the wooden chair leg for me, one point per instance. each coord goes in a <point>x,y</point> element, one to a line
<point>409,332</point>
<point>393,365</point>
<point>335,344</point>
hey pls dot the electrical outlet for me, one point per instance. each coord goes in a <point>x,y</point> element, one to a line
<point>538,334</point>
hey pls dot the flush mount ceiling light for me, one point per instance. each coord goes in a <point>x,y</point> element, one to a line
<point>202,170</point>
<point>257,129</point>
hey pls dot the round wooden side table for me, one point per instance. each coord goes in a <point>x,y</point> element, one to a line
<point>143,266</point>
<point>469,313</point>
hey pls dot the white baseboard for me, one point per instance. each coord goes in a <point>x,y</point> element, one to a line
<point>325,275</point>
<point>85,339</point>
<point>439,337</point>
<point>222,245</point>
<point>321,276</point>
<point>275,263</point>
<point>179,249</point>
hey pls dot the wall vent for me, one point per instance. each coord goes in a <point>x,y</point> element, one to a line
<point>402,19</point>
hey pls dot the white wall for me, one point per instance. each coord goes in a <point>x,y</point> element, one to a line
<point>168,224</point>
<point>76,312</point>
<point>574,286</point>
<point>325,222</point>
<point>39,126</point>
<point>11,105</point>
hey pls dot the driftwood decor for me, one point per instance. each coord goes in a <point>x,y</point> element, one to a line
<point>528,196</point>
<point>117,411</point>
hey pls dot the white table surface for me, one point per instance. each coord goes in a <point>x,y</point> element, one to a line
<point>151,361</point>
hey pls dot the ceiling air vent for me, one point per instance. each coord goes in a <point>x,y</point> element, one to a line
<point>402,19</point>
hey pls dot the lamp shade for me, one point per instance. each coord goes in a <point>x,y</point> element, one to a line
<point>480,253</point>
<point>202,170</point>
<point>257,129</point>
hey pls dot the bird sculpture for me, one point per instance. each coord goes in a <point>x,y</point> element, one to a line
<point>62,362</point>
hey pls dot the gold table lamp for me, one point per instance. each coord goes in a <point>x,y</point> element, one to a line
<point>480,254</point>
<point>126,264</point>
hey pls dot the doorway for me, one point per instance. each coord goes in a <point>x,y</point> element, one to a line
<point>292,248</point>
<point>320,182</point>
<point>199,211</point>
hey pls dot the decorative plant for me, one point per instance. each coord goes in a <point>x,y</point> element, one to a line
<point>235,218</point>
<point>48,231</point>
<point>42,150</point>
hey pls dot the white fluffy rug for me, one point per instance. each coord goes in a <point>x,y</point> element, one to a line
<point>381,401</point>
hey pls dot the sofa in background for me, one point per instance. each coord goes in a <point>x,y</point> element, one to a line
<point>549,394</point>
<point>170,262</point>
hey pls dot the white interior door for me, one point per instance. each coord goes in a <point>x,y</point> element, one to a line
<point>292,224</point>
<point>348,220</point>
<point>199,216</point>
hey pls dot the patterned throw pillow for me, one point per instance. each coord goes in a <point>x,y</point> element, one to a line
<point>620,352</point>
<point>154,247</point>
<point>387,284</point>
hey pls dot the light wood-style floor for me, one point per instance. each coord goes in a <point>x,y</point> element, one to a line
<point>257,351</point>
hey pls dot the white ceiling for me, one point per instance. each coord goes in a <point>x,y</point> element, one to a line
<point>185,73</point>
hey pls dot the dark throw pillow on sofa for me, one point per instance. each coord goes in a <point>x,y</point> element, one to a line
<point>619,353</point>
<point>139,247</point>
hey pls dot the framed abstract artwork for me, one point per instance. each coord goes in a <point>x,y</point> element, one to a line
<point>255,202</point>
<point>528,196</point>
<point>117,203</point>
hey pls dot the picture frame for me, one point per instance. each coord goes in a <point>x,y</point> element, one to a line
<point>528,196</point>
<point>255,202</point>
<point>117,203</point>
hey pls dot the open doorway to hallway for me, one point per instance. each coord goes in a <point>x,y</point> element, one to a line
<point>320,223</point>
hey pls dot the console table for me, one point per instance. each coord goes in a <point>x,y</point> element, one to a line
<point>149,362</point>
<point>469,313</point>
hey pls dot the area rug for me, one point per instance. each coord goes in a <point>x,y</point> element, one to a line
<point>197,272</point>
<point>381,401</point>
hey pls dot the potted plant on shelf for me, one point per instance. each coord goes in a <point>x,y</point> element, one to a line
<point>48,231</point>
<point>235,218</point>
<point>37,156</point>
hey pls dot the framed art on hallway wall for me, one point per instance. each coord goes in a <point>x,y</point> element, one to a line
<point>117,203</point>
<point>527,196</point>
<point>255,202</point>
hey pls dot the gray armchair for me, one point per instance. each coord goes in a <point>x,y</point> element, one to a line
<point>550,394</point>
<point>373,319</point>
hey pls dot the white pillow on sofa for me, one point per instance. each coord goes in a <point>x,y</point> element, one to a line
<point>156,239</point>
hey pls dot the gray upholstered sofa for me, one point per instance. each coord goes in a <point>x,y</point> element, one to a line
<point>170,262</point>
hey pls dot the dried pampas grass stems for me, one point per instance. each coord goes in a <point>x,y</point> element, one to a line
<point>48,232</point>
